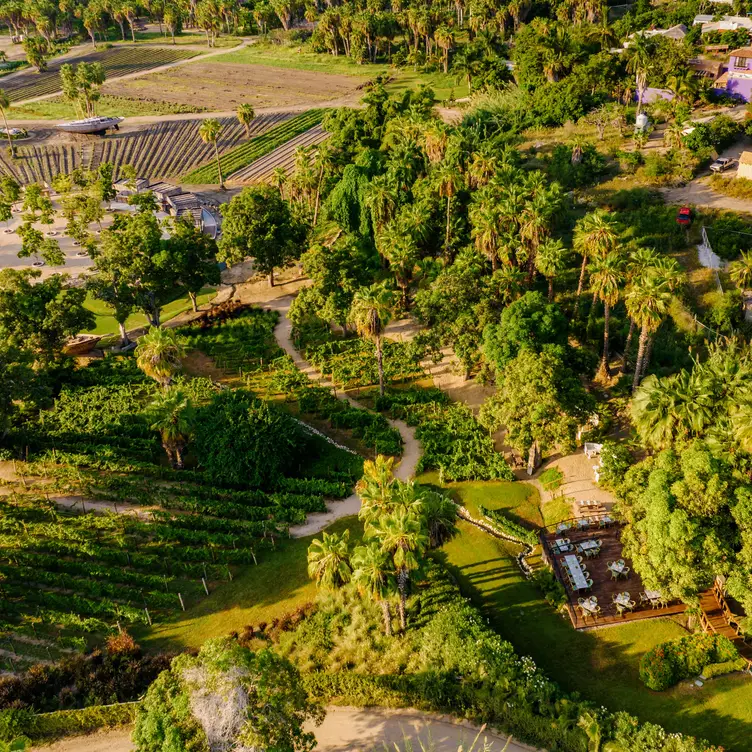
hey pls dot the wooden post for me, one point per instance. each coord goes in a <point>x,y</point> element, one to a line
<point>229,573</point>
<point>203,580</point>
<point>148,618</point>
<point>182,605</point>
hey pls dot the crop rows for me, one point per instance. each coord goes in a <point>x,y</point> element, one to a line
<point>283,156</point>
<point>245,154</point>
<point>119,61</point>
<point>172,148</point>
<point>40,163</point>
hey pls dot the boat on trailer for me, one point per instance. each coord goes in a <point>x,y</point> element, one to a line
<point>90,125</point>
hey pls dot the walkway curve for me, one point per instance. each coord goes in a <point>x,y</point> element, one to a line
<point>411,450</point>
<point>347,729</point>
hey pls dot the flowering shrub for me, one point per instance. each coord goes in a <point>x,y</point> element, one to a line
<point>670,662</point>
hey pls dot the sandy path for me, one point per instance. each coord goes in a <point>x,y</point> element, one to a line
<point>351,505</point>
<point>346,730</point>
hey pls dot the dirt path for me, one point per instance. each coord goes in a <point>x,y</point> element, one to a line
<point>347,730</point>
<point>350,505</point>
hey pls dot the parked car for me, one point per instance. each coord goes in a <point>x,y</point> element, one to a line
<point>722,164</point>
<point>684,217</point>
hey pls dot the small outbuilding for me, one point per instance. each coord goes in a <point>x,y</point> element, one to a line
<point>745,165</point>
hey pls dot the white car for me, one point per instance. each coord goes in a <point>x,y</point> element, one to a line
<point>722,164</point>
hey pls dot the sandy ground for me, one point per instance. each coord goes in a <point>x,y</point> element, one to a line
<point>346,730</point>
<point>222,86</point>
<point>351,505</point>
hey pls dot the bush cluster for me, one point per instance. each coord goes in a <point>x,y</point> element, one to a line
<point>670,662</point>
<point>509,527</point>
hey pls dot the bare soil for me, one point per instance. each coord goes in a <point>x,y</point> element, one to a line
<point>223,86</point>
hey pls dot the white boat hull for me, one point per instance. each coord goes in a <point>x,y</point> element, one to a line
<point>90,125</point>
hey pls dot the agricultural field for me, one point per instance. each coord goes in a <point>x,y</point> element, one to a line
<point>219,87</point>
<point>36,162</point>
<point>118,61</point>
<point>282,157</point>
<point>56,108</point>
<point>238,160</point>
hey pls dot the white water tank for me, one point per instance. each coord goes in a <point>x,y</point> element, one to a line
<point>641,122</point>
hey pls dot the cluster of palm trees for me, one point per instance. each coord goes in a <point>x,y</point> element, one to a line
<point>644,279</point>
<point>402,522</point>
<point>711,401</point>
<point>159,354</point>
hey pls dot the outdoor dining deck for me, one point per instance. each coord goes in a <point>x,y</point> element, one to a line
<point>603,586</point>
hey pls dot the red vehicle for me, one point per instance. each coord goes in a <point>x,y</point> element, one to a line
<point>684,217</point>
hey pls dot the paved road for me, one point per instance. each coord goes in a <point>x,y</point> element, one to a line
<point>346,730</point>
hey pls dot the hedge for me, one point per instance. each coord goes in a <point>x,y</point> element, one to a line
<point>46,726</point>
<point>509,527</point>
<point>725,667</point>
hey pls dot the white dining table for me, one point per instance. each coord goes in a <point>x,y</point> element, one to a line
<point>654,595</point>
<point>588,544</point>
<point>578,576</point>
<point>590,604</point>
<point>617,566</point>
<point>623,599</point>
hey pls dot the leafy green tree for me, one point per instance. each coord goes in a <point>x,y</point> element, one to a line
<point>244,441</point>
<point>370,313</point>
<point>41,314</point>
<point>209,131</point>
<point>329,560</point>
<point>114,290</point>
<point>81,85</point>
<point>540,402</point>
<point>258,223</point>
<point>224,697</point>
<point>34,243</point>
<point>529,323</point>
<point>159,354</point>
<point>172,415</point>
<point>740,270</point>
<point>4,105</point>
<point>37,51</point>
<point>372,576</point>
<point>193,256</point>
<point>17,382</point>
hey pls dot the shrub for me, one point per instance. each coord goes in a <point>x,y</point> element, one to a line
<point>671,662</point>
<point>729,235</point>
<point>725,667</point>
<point>616,459</point>
<point>553,591</point>
<point>509,527</point>
<point>734,187</point>
<point>551,478</point>
<point>578,174</point>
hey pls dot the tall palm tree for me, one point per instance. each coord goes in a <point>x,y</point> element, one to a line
<point>209,131</point>
<point>439,516</point>
<point>594,235</point>
<point>246,113</point>
<point>449,182</point>
<point>640,60</point>
<point>508,282</point>
<point>329,560</point>
<point>484,221</point>
<point>376,488</point>
<point>381,200</point>
<point>279,180</point>
<point>648,300</point>
<point>370,313</point>
<point>172,416</point>
<point>550,260</point>
<point>401,535</point>
<point>606,277</point>
<point>159,354</point>
<point>4,105</point>
<point>373,576</point>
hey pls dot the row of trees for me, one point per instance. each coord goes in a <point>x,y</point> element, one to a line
<point>402,522</point>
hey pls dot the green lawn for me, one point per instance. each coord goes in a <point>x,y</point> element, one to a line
<point>106,324</point>
<point>444,85</point>
<point>602,665</point>
<point>278,585</point>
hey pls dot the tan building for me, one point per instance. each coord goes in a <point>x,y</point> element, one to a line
<point>745,165</point>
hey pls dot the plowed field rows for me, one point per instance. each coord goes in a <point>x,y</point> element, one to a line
<point>118,61</point>
<point>283,156</point>
<point>40,163</point>
<point>173,148</point>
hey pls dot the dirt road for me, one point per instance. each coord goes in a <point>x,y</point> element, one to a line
<point>346,730</point>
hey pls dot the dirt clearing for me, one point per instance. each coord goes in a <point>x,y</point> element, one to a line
<point>221,86</point>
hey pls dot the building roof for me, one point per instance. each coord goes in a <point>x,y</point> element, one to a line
<point>746,158</point>
<point>710,68</point>
<point>742,52</point>
<point>183,201</point>
<point>166,189</point>
<point>127,183</point>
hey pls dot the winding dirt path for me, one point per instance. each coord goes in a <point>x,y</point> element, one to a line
<point>348,730</point>
<point>351,505</point>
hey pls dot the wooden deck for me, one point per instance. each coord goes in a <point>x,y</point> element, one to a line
<point>604,586</point>
<point>719,620</point>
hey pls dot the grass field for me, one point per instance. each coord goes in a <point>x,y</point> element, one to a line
<point>278,585</point>
<point>154,37</point>
<point>106,324</point>
<point>108,106</point>
<point>602,665</point>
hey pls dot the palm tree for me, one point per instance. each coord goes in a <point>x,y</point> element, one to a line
<point>159,354</point>
<point>550,260</point>
<point>484,220</point>
<point>329,560</point>
<point>373,575</point>
<point>648,299</point>
<point>376,488</point>
<point>439,516</point>
<point>594,235</point>
<point>246,113</point>
<point>209,132</point>
<point>278,180</point>
<point>685,86</point>
<point>640,60</point>
<point>172,415</point>
<point>508,282</point>
<point>370,313</point>
<point>401,535</point>
<point>4,104</point>
<point>606,277</point>
<point>449,182</point>
<point>381,201</point>
<point>740,271</point>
